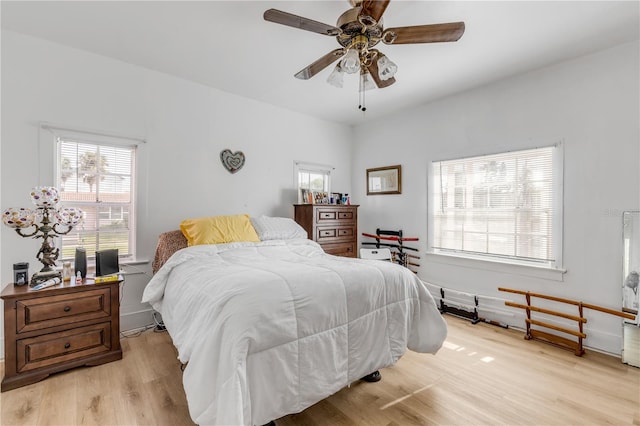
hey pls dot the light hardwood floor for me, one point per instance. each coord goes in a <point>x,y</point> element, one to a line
<point>484,375</point>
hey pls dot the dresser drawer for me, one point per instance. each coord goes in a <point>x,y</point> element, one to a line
<point>347,249</point>
<point>51,311</point>
<point>54,348</point>
<point>326,234</point>
<point>328,214</point>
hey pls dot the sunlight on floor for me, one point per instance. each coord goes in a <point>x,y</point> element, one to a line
<point>446,345</point>
<point>392,403</point>
<point>455,347</point>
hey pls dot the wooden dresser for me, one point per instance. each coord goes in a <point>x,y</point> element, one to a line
<point>334,227</point>
<point>58,328</point>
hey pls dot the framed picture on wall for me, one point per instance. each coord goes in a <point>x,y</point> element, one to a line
<point>384,180</point>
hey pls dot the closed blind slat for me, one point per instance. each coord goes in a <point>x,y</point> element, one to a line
<point>496,205</point>
<point>98,179</point>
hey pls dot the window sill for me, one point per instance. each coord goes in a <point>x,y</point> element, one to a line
<point>91,265</point>
<point>543,272</point>
<point>134,262</point>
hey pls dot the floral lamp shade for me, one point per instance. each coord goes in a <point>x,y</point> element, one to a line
<point>69,216</point>
<point>45,196</point>
<point>18,217</point>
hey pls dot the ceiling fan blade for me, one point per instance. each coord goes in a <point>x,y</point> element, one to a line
<point>295,21</point>
<point>374,8</point>
<point>434,33</point>
<point>373,70</point>
<point>319,65</point>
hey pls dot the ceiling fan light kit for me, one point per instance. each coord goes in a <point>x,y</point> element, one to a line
<point>358,31</point>
<point>336,78</point>
<point>386,68</point>
<point>350,63</point>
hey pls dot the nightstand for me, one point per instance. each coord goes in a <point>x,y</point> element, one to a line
<point>58,328</point>
<point>333,226</point>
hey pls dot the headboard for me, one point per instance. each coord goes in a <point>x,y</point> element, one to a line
<point>168,243</point>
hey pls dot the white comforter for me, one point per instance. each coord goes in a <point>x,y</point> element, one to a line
<point>271,328</point>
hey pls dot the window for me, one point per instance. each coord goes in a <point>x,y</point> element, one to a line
<point>505,207</point>
<point>313,177</point>
<point>100,179</point>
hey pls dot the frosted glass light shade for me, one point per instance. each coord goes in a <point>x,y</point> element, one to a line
<point>336,78</point>
<point>70,216</point>
<point>351,62</point>
<point>18,217</point>
<point>45,196</point>
<point>386,68</point>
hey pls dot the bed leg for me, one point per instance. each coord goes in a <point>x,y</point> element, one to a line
<point>373,377</point>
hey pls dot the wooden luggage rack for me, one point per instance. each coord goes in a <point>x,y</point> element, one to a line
<point>554,339</point>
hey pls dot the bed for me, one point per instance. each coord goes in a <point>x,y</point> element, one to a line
<point>269,328</point>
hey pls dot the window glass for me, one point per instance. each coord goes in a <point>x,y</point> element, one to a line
<point>313,177</point>
<point>99,179</point>
<point>502,206</point>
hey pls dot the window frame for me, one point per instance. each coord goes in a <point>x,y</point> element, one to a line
<point>300,166</point>
<point>50,134</point>
<point>488,260</point>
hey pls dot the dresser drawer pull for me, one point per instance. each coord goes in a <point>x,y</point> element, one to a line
<point>67,308</point>
<point>67,345</point>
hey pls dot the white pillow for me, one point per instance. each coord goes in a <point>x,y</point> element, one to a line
<point>277,228</point>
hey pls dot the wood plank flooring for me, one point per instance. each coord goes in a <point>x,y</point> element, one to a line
<point>484,375</point>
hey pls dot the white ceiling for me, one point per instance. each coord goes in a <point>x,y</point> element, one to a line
<point>228,45</point>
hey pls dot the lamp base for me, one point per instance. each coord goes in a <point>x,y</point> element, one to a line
<point>40,277</point>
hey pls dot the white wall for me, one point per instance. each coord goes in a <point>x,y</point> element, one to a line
<point>591,104</point>
<point>186,126</point>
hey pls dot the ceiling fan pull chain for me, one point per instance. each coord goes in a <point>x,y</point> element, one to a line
<point>364,108</point>
<point>360,92</point>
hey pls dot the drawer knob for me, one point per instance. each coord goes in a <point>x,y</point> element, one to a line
<point>67,308</point>
<point>67,345</point>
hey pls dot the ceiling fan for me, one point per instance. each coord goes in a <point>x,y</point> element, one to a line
<point>358,31</point>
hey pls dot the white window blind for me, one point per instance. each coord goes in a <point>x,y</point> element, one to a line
<point>100,180</point>
<point>503,206</point>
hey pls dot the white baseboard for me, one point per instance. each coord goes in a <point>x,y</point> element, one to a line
<point>136,320</point>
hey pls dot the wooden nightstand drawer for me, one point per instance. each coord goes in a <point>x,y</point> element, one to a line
<point>54,348</point>
<point>44,312</point>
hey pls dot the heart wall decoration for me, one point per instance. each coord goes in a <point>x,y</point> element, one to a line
<point>232,161</point>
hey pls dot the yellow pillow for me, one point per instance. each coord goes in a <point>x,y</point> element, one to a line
<point>219,230</point>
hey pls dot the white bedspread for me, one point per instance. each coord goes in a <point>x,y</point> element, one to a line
<point>271,328</point>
